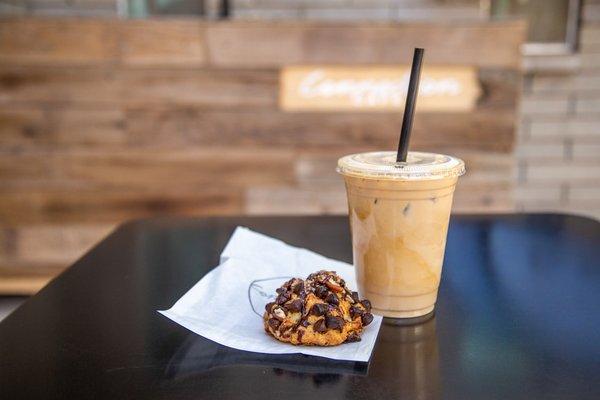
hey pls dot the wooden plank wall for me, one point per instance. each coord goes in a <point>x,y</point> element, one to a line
<point>102,121</point>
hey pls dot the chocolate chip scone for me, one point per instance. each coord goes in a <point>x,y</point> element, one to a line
<point>319,311</point>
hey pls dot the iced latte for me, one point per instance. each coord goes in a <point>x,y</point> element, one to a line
<point>399,215</point>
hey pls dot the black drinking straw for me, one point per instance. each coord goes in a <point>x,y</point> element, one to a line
<point>411,102</point>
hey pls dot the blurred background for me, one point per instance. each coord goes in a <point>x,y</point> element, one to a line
<point>112,110</point>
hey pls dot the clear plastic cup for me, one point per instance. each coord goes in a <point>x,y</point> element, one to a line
<point>399,214</point>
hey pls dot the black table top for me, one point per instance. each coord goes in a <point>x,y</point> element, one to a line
<point>517,318</point>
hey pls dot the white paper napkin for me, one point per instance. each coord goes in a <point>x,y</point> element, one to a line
<point>226,305</point>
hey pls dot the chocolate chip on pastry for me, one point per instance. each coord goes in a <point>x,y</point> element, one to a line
<point>317,311</point>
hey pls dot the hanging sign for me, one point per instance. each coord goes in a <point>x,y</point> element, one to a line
<point>376,88</point>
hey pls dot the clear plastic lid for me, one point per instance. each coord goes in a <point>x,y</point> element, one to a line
<point>418,166</point>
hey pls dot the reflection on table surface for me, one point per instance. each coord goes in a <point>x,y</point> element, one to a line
<point>409,357</point>
<point>516,319</point>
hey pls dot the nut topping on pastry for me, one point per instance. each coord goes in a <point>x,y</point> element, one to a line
<point>318,311</point>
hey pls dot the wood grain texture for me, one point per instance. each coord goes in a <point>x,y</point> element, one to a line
<point>492,130</point>
<point>146,172</point>
<point>34,254</point>
<point>282,43</point>
<point>482,167</point>
<point>181,128</point>
<point>58,41</point>
<point>487,185</point>
<point>40,206</point>
<point>273,44</point>
<point>201,88</point>
<point>19,284</point>
<point>120,86</point>
<point>68,85</point>
<point>331,199</point>
<point>102,121</point>
<point>56,244</point>
<point>293,200</point>
<point>30,128</point>
<point>483,198</point>
<point>37,253</point>
<point>21,127</point>
<point>162,42</point>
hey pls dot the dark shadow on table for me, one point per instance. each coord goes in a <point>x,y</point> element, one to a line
<point>408,355</point>
<point>197,355</point>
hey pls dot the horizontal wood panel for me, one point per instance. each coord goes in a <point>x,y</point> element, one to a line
<point>31,129</point>
<point>58,41</point>
<point>281,43</point>
<point>156,42</point>
<point>323,199</point>
<point>19,207</point>
<point>483,130</point>
<point>39,252</point>
<point>313,174</point>
<point>482,167</point>
<point>18,269</point>
<point>21,284</point>
<point>23,127</point>
<point>146,172</point>
<point>202,88</point>
<point>273,44</point>
<point>67,85</point>
<point>207,88</point>
<point>312,199</point>
<point>56,244</point>
<point>102,121</point>
<point>100,86</point>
